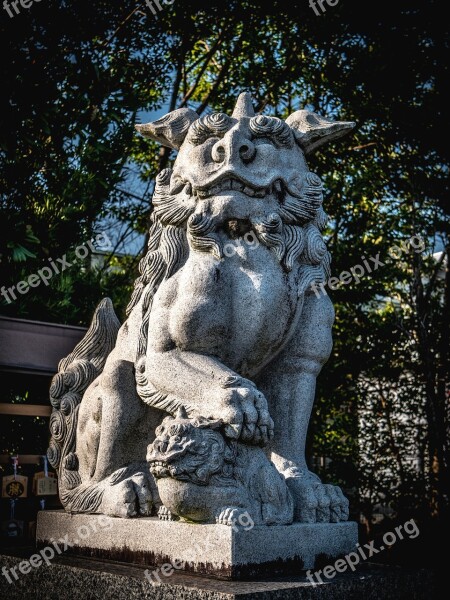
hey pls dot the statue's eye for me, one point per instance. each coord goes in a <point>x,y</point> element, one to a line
<point>203,137</point>
<point>177,438</point>
<point>277,131</point>
<point>214,125</point>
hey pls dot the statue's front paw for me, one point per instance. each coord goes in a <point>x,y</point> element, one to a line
<point>243,408</point>
<point>316,502</point>
<point>127,497</point>
<point>230,515</point>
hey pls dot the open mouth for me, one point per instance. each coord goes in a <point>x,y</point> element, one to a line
<point>159,469</point>
<point>232,183</point>
<point>227,183</point>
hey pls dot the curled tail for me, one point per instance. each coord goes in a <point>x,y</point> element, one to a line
<point>75,373</point>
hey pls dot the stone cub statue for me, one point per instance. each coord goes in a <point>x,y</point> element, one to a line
<point>205,477</point>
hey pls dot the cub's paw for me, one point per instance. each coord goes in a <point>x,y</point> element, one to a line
<point>164,514</point>
<point>230,515</point>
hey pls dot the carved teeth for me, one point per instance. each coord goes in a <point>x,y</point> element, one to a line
<point>176,185</point>
<point>234,184</point>
<point>215,189</point>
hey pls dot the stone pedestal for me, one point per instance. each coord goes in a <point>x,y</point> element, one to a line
<point>73,578</point>
<point>215,550</point>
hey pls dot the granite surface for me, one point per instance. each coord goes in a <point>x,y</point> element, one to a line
<point>88,579</point>
<point>219,550</point>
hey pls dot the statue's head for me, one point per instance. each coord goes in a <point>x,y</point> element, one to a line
<point>241,164</point>
<point>253,150</point>
<point>235,175</point>
<point>240,173</point>
<point>189,450</point>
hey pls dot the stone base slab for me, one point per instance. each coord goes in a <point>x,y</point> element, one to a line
<point>74,578</point>
<point>215,550</point>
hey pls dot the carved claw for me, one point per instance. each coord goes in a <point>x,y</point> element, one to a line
<point>229,515</point>
<point>244,410</point>
<point>316,502</point>
<point>164,514</point>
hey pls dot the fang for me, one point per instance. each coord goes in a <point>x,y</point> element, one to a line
<point>277,186</point>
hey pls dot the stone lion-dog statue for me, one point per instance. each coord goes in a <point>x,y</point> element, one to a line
<point>236,338</point>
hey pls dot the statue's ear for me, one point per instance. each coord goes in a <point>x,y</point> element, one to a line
<point>171,129</point>
<point>312,130</point>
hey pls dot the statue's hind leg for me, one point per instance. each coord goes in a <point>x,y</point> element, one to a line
<point>124,422</point>
<point>289,384</point>
<point>100,427</point>
<point>114,429</point>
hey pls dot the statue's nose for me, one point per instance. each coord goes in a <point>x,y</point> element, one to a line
<point>234,146</point>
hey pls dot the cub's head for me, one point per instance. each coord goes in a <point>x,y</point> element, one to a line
<point>189,450</point>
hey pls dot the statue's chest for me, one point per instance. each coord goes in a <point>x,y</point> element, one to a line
<point>240,308</point>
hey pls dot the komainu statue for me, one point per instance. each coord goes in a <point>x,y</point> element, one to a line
<point>198,405</point>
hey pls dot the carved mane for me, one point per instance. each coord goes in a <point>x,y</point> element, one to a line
<point>293,234</point>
